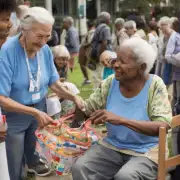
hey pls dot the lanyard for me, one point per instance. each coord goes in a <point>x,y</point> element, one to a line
<point>34,85</point>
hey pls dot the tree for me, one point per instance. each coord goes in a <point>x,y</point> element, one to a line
<point>142,6</point>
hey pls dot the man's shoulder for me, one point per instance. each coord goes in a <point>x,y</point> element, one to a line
<point>101,27</point>
<point>72,30</point>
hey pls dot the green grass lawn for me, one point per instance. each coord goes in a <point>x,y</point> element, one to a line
<point>77,78</point>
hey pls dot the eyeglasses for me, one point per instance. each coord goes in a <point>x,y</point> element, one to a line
<point>41,37</point>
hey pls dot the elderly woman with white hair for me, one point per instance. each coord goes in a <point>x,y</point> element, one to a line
<point>131,30</point>
<point>163,68</point>
<point>61,58</point>
<point>27,70</point>
<point>119,34</point>
<point>133,105</point>
<point>71,40</point>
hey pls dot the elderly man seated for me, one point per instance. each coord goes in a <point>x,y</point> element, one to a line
<point>133,104</point>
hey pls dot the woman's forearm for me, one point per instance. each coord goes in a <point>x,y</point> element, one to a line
<point>150,128</point>
<point>13,106</point>
<point>61,91</point>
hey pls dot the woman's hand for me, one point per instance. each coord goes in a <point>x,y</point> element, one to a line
<point>102,116</point>
<point>62,80</point>
<point>79,103</point>
<point>42,118</point>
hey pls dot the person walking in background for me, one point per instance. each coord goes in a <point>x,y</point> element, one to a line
<point>119,35</point>
<point>152,39</point>
<point>85,49</point>
<point>131,30</point>
<point>71,40</point>
<point>163,68</point>
<point>101,41</point>
<point>6,8</point>
<point>172,55</point>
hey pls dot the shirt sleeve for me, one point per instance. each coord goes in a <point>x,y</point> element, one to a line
<point>160,108</point>
<point>54,76</point>
<point>6,75</point>
<point>105,35</point>
<point>73,40</point>
<point>170,49</point>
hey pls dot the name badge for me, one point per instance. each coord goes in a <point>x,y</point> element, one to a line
<point>36,96</point>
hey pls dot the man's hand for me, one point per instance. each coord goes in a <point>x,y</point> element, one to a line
<point>102,116</point>
<point>42,118</point>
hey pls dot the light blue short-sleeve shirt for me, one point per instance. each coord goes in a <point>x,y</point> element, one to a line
<point>14,76</point>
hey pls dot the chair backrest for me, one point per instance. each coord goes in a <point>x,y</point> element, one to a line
<point>164,164</point>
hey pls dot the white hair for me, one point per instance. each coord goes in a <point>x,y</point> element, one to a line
<point>22,10</point>
<point>119,21</point>
<point>69,19</point>
<point>60,51</point>
<point>174,19</point>
<point>143,52</point>
<point>103,17</point>
<point>130,24</point>
<point>36,15</point>
<point>165,20</point>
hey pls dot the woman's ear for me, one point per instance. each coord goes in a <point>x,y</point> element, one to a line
<point>143,68</point>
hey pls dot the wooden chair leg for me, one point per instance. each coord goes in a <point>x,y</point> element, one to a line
<point>162,152</point>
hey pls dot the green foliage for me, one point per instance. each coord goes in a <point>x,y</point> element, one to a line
<point>140,5</point>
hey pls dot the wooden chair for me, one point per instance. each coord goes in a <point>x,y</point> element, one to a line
<point>165,164</point>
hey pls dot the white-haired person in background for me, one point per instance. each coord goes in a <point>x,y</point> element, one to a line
<point>107,58</point>
<point>16,17</point>
<point>61,59</point>
<point>131,30</point>
<point>163,68</point>
<point>101,41</point>
<point>71,40</point>
<point>133,105</point>
<point>119,35</point>
<point>27,71</point>
<point>172,56</point>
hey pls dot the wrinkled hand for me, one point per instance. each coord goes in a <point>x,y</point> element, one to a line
<point>43,119</point>
<point>102,116</point>
<point>2,135</point>
<point>79,103</point>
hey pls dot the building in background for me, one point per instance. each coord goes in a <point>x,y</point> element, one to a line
<point>80,10</point>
